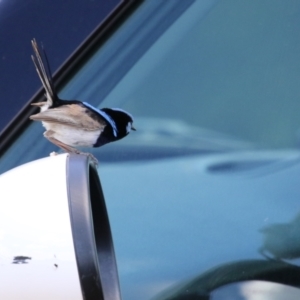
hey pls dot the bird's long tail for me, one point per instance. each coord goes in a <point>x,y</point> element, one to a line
<point>41,63</point>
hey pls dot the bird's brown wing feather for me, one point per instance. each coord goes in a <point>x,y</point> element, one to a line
<point>72,115</point>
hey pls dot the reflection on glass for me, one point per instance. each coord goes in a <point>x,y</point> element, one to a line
<point>256,290</point>
<point>282,240</point>
<point>259,290</point>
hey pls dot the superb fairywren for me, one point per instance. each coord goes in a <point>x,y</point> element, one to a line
<point>71,124</point>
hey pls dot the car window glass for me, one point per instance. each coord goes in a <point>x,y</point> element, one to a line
<point>211,174</point>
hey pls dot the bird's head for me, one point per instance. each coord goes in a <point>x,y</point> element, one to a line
<point>121,122</point>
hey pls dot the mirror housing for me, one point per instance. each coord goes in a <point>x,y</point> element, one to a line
<point>55,238</point>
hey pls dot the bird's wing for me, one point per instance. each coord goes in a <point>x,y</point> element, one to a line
<point>72,115</point>
<point>43,69</point>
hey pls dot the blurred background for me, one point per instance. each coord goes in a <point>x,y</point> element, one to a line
<point>60,25</point>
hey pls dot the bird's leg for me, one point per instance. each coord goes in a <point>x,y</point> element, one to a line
<point>68,148</point>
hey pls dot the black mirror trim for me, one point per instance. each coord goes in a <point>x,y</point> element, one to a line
<point>92,237</point>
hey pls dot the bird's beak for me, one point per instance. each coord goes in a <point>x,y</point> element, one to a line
<point>132,128</point>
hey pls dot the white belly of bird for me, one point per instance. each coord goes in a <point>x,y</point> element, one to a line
<point>73,136</point>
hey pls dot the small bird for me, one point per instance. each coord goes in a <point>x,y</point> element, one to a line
<point>72,123</point>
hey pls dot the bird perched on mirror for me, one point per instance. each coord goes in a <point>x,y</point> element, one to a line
<point>71,123</point>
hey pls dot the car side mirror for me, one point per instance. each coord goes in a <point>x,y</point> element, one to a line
<point>55,238</point>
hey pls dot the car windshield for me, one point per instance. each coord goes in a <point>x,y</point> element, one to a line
<point>214,89</point>
<point>196,78</point>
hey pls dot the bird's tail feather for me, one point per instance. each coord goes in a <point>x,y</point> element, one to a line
<point>41,63</point>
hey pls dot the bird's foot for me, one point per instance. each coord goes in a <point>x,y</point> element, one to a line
<point>91,156</point>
